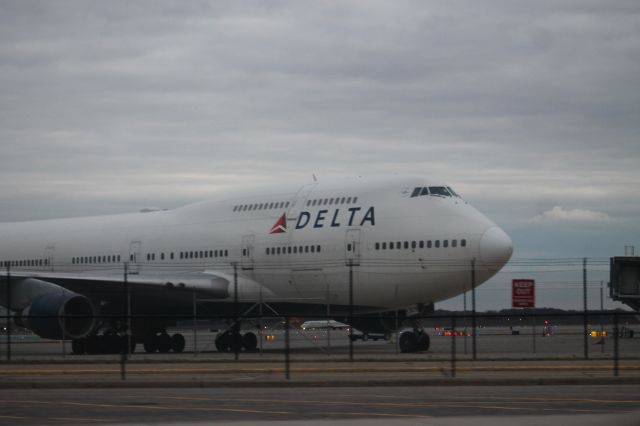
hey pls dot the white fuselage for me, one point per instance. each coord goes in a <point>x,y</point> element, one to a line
<point>403,248</point>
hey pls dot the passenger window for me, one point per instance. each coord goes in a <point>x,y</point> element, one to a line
<point>445,243</point>
<point>406,245</point>
<point>349,247</point>
<point>342,200</point>
<point>313,249</point>
<point>289,250</point>
<point>454,243</point>
<point>421,244</point>
<point>413,244</point>
<point>308,202</point>
<point>429,244</point>
<point>355,200</point>
<point>171,255</point>
<point>384,246</point>
<point>314,202</point>
<point>286,204</point>
<point>268,250</point>
<point>463,243</point>
<point>377,246</point>
<point>318,249</point>
<point>306,249</point>
<point>295,249</point>
<point>349,200</point>
<point>391,246</point>
<point>437,243</point>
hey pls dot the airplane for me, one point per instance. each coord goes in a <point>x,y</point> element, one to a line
<point>379,251</point>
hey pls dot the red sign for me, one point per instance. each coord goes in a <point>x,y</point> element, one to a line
<point>523,293</point>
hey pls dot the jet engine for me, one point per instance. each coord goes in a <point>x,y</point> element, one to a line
<point>59,315</point>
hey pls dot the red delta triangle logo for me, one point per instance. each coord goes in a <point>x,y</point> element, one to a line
<point>280,226</point>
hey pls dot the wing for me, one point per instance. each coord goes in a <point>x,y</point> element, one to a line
<point>153,289</point>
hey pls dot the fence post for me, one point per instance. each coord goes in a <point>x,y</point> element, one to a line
<point>453,347</point>
<point>8,311</point>
<point>195,324</point>
<point>473,308</point>
<point>616,336</point>
<point>584,308</point>
<point>532,313</point>
<point>287,361</point>
<point>236,326</point>
<point>350,310</point>
<point>126,344</point>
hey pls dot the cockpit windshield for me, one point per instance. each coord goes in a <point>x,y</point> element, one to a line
<point>438,191</point>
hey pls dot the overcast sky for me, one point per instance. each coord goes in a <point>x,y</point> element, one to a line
<point>530,110</point>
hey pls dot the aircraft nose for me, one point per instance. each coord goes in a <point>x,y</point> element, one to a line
<point>496,247</point>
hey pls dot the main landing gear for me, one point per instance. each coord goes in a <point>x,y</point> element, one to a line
<point>113,343</point>
<point>228,341</point>
<point>163,343</point>
<point>107,343</point>
<point>414,341</point>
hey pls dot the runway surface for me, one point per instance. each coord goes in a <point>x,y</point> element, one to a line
<point>69,406</point>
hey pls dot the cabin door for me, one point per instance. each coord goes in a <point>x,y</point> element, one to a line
<point>134,257</point>
<point>352,247</point>
<point>48,257</point>
<point>248,249</point>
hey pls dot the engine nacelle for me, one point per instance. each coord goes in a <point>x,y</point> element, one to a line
<point>58,316</point>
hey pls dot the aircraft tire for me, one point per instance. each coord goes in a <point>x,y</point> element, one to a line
<point>249,342</point>
<point>235,342</point>
<point>177,343</point>
<point>408,342</point>
<point>124,343</point>
<point>78,346</point>
<point>163,342</point>
<point>423,342</point>
<point>222,342</point>
<point>110,344</point>
<point>92,345</point>
<point>150,345</point>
